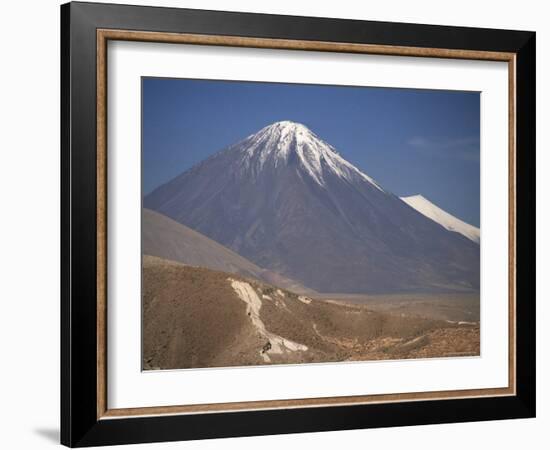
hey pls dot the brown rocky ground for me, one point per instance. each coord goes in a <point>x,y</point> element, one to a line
<point>197,317</point>
<point>446,306</point>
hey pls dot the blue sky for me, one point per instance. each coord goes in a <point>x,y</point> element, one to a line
<point>411,141</point>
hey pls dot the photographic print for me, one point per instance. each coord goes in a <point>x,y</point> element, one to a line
<point>293,223</point>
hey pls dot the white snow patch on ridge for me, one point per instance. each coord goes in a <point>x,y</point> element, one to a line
<point>279,344</point>
<point>443,218</point>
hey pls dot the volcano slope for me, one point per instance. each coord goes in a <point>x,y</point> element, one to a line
<point>165,238</point>
<point>287,201</point>
<point>195,317</point>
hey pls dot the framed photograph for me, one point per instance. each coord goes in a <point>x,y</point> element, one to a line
<point>276,224</point>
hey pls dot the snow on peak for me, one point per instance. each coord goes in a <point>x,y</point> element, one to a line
<point>275,143</point>
<point>443,218</point>
<point>288,126</point>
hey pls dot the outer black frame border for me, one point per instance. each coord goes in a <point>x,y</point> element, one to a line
<point>79,424</point>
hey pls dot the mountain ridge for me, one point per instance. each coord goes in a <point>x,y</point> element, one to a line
<point>165,238</point>
<point>442,217</point>
<point>287,201</point>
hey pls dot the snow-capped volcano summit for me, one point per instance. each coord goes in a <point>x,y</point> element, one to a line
<point>286,200</point>
<point>283,142</point>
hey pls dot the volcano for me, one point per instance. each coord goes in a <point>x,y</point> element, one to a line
<point>287,201</point>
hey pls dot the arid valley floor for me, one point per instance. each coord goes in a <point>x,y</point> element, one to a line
<point>196,317</point>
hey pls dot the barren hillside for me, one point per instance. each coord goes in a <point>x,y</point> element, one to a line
<point>197,317</point>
